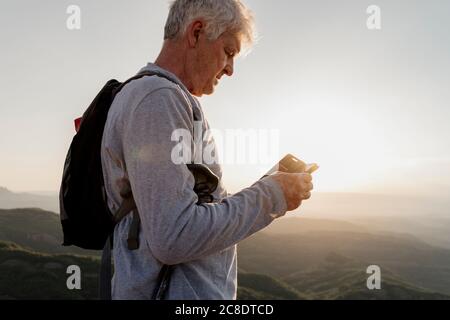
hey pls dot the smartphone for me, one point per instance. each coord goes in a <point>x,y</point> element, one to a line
<point>310,168</point>
<point>292,164</point>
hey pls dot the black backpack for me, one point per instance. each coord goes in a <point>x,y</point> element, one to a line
<point>86,219</point>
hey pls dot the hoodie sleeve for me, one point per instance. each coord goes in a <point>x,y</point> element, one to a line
<point>176,229</point>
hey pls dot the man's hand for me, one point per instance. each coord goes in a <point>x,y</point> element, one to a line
<point>296,187</point>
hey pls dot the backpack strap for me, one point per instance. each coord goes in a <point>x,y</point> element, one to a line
<point>133,232</point>
<point>104,281</point>
<point>126,207</point>
<point>139,76</point>
<point>127,204</point>
<point>163,282</point>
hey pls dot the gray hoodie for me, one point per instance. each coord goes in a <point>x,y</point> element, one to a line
<point>199,239</point>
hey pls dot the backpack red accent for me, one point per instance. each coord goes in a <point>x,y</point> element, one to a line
<point>77,124</point>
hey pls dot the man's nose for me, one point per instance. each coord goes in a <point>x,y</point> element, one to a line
<point>229,69</point>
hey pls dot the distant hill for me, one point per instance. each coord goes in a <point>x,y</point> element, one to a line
<point>341,278</point>
<point>283,255</point>
<point>297,225</point>
<point>425,217</point>
<point>11,200</point>
<point>263,287</point>
<point>36,230</point>
<point>434,229</point>
<point>345,205</point>
<point>29,275</point>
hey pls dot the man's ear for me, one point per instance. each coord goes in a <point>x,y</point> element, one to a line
<point>194,31</point>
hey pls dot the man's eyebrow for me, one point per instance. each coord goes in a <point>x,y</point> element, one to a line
<point>236,49</point>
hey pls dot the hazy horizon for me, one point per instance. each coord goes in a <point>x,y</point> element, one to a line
<point>330,205</point>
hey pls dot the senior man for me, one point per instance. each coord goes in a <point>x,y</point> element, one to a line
<point>202,39</point>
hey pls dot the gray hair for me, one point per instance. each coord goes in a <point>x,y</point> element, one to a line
<point>220,16</point>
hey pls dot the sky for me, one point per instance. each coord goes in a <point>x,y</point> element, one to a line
<point>371,107</point>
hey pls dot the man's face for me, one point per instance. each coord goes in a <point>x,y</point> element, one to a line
<point>213,60</point>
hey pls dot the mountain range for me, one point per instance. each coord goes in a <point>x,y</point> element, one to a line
<point>10,200</point>
<point>295,258</point>
<point>424,217</point>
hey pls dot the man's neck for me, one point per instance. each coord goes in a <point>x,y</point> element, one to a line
<point>171,60</point>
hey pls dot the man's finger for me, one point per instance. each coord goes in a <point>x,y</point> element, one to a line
<point>307,177</point>
<point>306,195</point>
<point>307,186</point>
